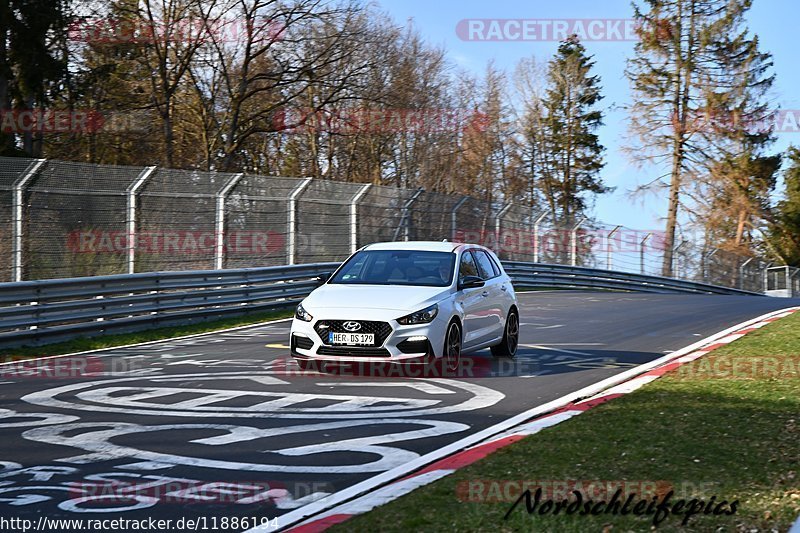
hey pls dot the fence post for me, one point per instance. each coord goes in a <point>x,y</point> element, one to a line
<point>642,246</point>
<point>765,276</point>
<point>574,241</point>
<point>707,264</point>
<point>497,225</point>
<point>130,218</point>
<point>454,217</point>
<point>354,216</point>
<point>404,216</point>
<point>219,215</point>
<point>676,260</point>
<point>536,236</point>
<point>741,273</point>
<point>608,246</point>
<point>292,221</point>
<point>17,218</point>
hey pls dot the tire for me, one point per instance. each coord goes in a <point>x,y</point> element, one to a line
<point>452,347</point>
<point>508,346</point>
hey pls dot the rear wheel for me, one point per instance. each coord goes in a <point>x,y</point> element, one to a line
<point>508,346</point>
<point>452,346</point>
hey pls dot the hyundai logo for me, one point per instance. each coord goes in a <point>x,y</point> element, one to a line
<point>351,326</point>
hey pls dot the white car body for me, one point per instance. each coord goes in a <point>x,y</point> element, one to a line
<point>481,312</point>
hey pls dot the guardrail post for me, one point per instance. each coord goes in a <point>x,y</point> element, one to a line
<point>354,216</point>
<point>536,236</point>
<point>454,217</point>
<point>608,246</point>
<point>642,246</point>
<point>130,217</point>
<point>498,225</point>
<point>219,242</point>
<point>291,229</point>
<point>574,241</point>
<point>17,217</point>
<point>741,273</point>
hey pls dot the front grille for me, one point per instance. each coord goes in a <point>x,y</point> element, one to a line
<point>304,343</point>
<point>351,351</point>
<point>382,330</point>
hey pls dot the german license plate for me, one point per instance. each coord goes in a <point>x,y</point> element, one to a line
<point>352,339</point>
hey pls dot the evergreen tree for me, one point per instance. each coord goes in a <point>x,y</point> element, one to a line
<point>565,155</point>
<point>736,122</point>
<point>784,234</point>
<point>30,63</point>
<point>678,58</point>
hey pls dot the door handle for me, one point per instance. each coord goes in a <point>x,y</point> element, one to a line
<point>485,293</point>
<point>503,288</point>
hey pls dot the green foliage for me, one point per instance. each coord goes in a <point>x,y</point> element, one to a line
<point>785,227</point>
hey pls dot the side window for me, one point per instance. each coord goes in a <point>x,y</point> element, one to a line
<point>467,266</point>
<point>485,265</point>
<point>495,266</point>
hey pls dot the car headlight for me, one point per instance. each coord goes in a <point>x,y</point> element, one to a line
<point>302,314</point>
<point>420,317</point>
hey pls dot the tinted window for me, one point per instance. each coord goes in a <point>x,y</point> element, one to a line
<point>485,265</point>
<point>495,266</point>
<point>397,267</point>
<point>467,267</point>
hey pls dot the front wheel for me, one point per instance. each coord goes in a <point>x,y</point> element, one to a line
<point>452,346</point>
<point>508,346</point>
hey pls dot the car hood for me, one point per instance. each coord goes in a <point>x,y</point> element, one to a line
<point>393,297</point>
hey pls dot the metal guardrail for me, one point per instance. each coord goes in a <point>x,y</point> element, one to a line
<point>45,311</point>
<point>537,275</point>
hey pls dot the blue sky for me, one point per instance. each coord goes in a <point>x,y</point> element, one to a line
<point>775,22</point>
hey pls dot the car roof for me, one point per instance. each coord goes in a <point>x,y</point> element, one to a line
<point>428,246</point>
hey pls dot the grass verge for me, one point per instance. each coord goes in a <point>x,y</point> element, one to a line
<point>109,341</point>
<point>725,426</point>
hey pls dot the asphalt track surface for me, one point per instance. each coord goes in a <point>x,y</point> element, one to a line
<point>226,425</point>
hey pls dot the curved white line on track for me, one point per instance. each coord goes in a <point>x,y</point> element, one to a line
<point>482,397</point>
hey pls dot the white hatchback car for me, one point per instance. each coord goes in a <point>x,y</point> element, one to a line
<point>409,302</point>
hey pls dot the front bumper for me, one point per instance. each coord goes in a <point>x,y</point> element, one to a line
<point>403,344</point>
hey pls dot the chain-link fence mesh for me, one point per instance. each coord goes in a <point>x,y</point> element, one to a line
<point>74,220</point>
<point>83,220</point>
<point>256,222</point>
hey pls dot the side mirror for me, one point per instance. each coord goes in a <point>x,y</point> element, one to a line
<point>471,282</point>
<point>322,278</point>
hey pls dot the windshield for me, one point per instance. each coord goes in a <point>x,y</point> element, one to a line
<point>398,267</point>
